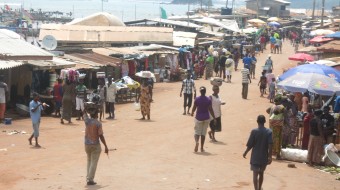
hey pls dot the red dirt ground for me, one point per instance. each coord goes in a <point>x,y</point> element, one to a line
<point>156,154</point>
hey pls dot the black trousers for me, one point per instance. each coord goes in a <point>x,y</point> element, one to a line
<point>244,90</point>
<point>187,100</point>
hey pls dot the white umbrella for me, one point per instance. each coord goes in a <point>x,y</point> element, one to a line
<point>324,62</point>
<point>276,19</point>
<point>321,32</point>
<point>257,21</point>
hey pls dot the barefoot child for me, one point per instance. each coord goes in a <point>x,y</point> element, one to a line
<point>35,108</point>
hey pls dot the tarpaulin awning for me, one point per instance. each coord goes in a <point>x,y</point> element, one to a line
<point>320,39</point>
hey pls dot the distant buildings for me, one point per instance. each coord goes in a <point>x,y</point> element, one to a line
<point>271,8</point>
<point>336,11</point>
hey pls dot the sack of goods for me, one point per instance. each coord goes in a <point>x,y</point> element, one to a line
<point>216,81</point>
<point>91,107</point>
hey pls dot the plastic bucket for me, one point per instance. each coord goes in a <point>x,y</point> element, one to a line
<point>8,121</point>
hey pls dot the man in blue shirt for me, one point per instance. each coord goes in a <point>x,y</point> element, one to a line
<point>247,61</point>
<point>261,142</point>
<point>35,108</point>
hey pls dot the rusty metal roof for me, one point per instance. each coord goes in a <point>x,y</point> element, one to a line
<point>19,48</point>
<point>98,58</point>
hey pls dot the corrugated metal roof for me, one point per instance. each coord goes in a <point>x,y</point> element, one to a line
<point>4,33</point>
<point>98,58</point>
<point>184,38</point>
<point>227,24</point>
<point>56,63</point>
<point>7,64</point>
<point>177,23</point>
<point>137,50</point>
<point>118,34</point>
<point>282,1</point>
<point>82,63</point>
<point>18,48</point>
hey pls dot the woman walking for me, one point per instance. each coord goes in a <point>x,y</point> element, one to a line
<point>276,118</point>
<point>316,140</point>
<point>69,94</point>
<point>216,106</point>
<point>145,98</point>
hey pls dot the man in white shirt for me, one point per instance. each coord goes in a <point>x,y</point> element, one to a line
<point>110,96</point>
<point>3,97</point>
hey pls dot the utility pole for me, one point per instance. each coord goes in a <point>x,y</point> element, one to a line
<point>257,12</point>
<point>313,10</point>
<point>322,12</point>
<point>188,12</point>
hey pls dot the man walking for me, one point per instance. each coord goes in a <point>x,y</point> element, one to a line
<point>93,132</point>
<point>229,64</point>
<point>247,61</point>
<point>81,94</point>
<point>260,140</point>
<point>245,81</point>
<point>35,111</point>
<point>222,64</point>
<point>110,96</point>
<point>3,98</point>
<point>202,118</point>
<point>188,85</point>
<point>269,65</point>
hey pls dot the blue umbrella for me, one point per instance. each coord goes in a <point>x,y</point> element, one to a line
<point>334,35</point>
<point>312,68</point>
<point>276,24</point>
<point>313,82</point>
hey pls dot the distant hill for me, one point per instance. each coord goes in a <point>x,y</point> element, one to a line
<point>204,2</point>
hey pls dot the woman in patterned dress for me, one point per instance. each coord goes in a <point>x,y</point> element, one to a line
<point>144,99</point>
<point>276,118</point>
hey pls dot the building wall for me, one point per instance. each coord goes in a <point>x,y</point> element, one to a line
<point>275,8</point>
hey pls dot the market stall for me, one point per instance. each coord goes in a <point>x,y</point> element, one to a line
<point>127,89</point>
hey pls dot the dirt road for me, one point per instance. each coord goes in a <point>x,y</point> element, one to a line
<point>156,154</point>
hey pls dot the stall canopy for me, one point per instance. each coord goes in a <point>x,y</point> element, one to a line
<point>320,39</point>
<point>334,35</point>
<point>332,46</point>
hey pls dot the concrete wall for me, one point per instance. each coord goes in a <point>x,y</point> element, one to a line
<point>274,11</point>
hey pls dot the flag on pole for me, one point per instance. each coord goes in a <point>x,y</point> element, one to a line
<point>163,13</point>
